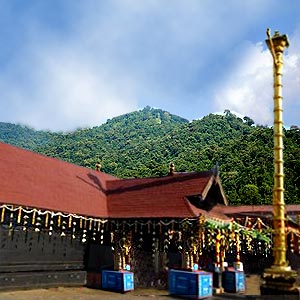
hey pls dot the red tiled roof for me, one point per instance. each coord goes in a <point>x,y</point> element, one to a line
<point>218,211</point>
<point>34,180</point>
<point>248,209</point>
<point>156,197</point>
<point>256,210</point>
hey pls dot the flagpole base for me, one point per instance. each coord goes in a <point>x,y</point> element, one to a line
<point>279,280</point>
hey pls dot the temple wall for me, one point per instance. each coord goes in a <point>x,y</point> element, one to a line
<point>36,259</point>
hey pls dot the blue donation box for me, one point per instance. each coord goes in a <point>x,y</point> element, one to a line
<point>120,281</point>
<point>190,284</point>
<point>233,281</point>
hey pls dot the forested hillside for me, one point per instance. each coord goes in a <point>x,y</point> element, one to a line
<point>23,136</point>
<point>143,143</point>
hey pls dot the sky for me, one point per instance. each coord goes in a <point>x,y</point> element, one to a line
<point>69,64</point>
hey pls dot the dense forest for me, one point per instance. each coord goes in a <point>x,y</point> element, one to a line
<point>143,143</point>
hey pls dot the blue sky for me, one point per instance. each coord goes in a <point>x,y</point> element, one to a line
<point>72,64</point>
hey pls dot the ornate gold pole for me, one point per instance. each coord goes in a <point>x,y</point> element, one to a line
<point>276,45</point>
<point>279,279</point>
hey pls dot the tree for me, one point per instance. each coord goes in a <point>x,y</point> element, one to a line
<point>250,195</point>
<point>248,121</point>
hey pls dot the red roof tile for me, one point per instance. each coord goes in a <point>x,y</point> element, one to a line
<point>33,180</point>
<point>157,197</point>
<point>256,210</point>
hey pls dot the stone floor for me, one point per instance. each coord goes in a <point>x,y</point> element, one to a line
<point>83,293</point>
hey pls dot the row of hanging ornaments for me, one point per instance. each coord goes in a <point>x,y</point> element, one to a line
<point>33,219</point>
<point>37,220</point>
<point>78,227</point>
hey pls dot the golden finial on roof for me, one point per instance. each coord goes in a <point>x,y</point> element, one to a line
<point>98,166</point>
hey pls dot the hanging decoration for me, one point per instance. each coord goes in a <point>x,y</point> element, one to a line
<point>154,244</point>
<point>51,227</point>
<point>33,216</point>
<point>218,249</point>
<point>63,229</point>
<point>19,215</point>
<point>102,236</point>
<point>46,219</point>
<point>25,222</point>
<point>167,235</point>
<point>189,235</point>
<point>38,220</point>
<point>2,213</point>
<point>122,247</point>
<point>84,236</point>
<point>11,220</point>
<point>38,223</point>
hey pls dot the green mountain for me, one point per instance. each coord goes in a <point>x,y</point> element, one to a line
<point>23,136</point>
<point>143,143</point>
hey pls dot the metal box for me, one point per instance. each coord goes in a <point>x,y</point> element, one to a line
<point>233,281</point>
<point>190,284</point>
<point>120,281</point>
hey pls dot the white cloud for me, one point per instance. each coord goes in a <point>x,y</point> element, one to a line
<point>65,93</point>
<point>59,84</point>
<point>291,81</point>
<point>79,91</point>
<point>248,87</point>
<point>92,60</point>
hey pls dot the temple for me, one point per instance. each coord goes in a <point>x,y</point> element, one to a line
<point>61,224</point>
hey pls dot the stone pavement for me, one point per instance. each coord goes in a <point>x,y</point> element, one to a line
<point>91,294</point>
<point>83,293</point>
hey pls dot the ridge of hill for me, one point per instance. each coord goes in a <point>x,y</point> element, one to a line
<point>144,142</point>
<point>23,136</point>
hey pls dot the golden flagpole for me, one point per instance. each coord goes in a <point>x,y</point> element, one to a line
<point>279,279</point>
